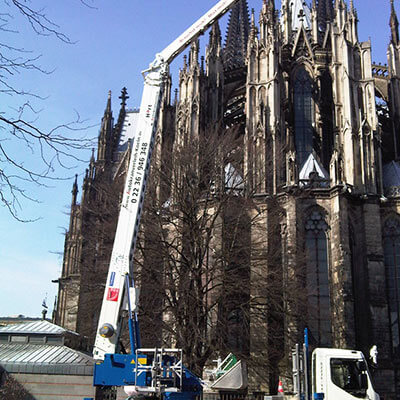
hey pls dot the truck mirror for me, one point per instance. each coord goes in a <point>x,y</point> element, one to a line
<point>363,381</point>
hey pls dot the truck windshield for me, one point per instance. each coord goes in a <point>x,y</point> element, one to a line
<point>349,375</point>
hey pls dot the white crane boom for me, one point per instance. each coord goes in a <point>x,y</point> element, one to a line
<point>129,216</point>
<point>197,29</point>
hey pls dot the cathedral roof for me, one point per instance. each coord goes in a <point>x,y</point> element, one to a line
<point>128,129</point>
<point>301,15</point>
<point>237,35</point>
<point>313,170</point>
<point>391,178</point>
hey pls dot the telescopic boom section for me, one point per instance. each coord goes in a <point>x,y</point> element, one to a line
<point>129,216</point>
<point>197,29</point>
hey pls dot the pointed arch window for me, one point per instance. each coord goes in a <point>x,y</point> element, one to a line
<point>303,115</point>
<point>391,247</point>
<point>318,293</point>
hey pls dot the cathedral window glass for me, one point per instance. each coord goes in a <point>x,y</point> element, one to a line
<point>391,245</point>
<point>303,115</point>
<point>318,295</point>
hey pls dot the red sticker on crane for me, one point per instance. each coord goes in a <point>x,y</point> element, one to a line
<point>112,294</point>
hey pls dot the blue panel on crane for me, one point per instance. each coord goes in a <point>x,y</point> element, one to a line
<point>181,395</point>
<point>120,370</point>
<point>117,370</point>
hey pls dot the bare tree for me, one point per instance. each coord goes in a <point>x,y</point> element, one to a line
<point>40,152</point>
<point>181,256</point>
<point>210,259</point>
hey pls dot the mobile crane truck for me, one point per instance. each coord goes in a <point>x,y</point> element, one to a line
<point>159,371</point>
<point>144,371</point>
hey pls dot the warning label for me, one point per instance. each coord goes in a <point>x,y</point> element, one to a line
<point>112,294</point>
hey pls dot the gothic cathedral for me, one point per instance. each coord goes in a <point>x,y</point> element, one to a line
<point>319,131</point>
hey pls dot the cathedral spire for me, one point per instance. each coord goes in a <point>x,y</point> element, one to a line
<point>394,24</point>
<point>185,62</point>
<point>215,38</point>
<point>92,165</point>
<point>74,190</point>
<point>105,135</point>
<point>108,106</point>
<point>253,30</point>
<point>194,54</point>
<point>237,36</point>
<point>213,55</point>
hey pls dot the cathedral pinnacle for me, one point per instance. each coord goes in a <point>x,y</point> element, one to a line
<point>394,23</point>
<point>264,7</point>
<point>185,62</point>
<point>75,190</point>
<point>108,107</point>
<point>91,165</point>
<point>215,37</point>
<point>339,4</point>
<point>252,21</point>
<point>107,123</point>
<point>194,54</point>
<point>253,29</point>
<point>268,8</point>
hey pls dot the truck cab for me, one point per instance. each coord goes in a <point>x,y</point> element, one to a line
<point>341,374</point>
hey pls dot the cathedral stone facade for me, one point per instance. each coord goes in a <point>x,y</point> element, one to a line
<point>319,126</point>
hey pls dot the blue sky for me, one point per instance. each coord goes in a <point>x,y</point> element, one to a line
<point>112,44</point>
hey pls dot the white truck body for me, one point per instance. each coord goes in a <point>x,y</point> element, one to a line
<point>336,374</point>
